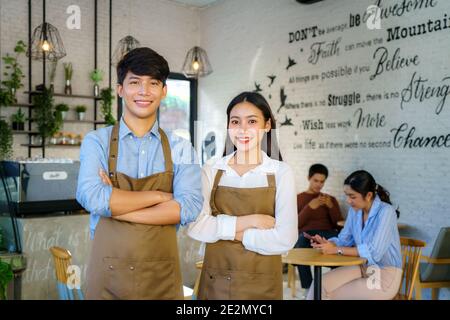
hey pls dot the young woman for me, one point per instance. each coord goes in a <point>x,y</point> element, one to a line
<point>370,232</point>
<point>249,215</point>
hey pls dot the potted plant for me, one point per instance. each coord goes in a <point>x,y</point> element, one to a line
<point>47,119</point>
<point>13,70</point>
<point>96,77</point>
<point>6,275</point>
<point>81,111</point>
<point>106,105</point>
<point>6,140</point>
<point>52,73</point>
<point>62,109</point>
<point>68,72</point>
<point>18,120</point>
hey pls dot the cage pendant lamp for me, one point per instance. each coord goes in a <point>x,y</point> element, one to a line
<point>196,63</point>
<point>124,46</point>
<point>46,43</point>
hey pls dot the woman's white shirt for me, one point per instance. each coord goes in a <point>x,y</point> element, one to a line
<point>278,240</point>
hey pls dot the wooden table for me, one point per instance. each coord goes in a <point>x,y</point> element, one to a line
<point>314,257</point>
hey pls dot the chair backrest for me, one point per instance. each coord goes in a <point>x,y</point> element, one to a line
<point>431,272</point>
<point>441,247</point>
<point>63,259</point>
<point>411,252</point>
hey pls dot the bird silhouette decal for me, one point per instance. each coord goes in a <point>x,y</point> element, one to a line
<point>287,122</point>
<point>291,63</point>
<point>283,97</point>
<point>272,79</point>
<point>257,88</point>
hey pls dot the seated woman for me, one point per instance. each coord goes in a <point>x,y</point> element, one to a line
<point>318,213</point>
<point>370,232</point>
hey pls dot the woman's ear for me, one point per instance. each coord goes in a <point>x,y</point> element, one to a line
<point>268,125</point>
<point>369,196</point>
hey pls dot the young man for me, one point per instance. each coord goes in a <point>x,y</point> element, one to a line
<point>138,184</point>
<point>318,213</point>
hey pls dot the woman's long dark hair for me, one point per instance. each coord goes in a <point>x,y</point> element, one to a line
<point>269,145</point>
<point>363,182</point>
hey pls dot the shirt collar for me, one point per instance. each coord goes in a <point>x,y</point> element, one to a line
<point>268,165</point>
<point>124,130</point>
<point>375,207</point>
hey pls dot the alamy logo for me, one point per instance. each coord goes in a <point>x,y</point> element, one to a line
<point>374,278</point>
<point>74,20</point>
<point>374,17</point>
<point>74,278</point>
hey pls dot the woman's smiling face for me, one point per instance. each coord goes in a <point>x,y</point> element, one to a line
<point>247,126</point>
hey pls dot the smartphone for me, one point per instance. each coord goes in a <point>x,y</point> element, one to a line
<point>307,236</point>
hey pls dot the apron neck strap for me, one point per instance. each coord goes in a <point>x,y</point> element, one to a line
<point>113,150</point>
<point>271,180</point>
<point>166,150</point>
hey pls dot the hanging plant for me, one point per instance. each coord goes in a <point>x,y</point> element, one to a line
<point>107,98</point>
<point>6,275</point>
<point>47,119</point>
<point>14,71</point>
<point>6,140</point>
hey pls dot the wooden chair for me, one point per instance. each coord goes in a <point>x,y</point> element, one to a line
<point>291,278</point>
<point>199,266</point>
<point>411,251</point>
<point>63,259</point>
<point>434,273</point>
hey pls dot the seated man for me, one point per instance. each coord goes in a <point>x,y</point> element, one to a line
<point>318,213</point>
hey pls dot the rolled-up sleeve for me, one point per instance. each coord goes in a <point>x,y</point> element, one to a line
<point>345,237</point>
<point>374,248</point>
<point>284,235</point>
<point>92,193</point>
<point>187,181</point>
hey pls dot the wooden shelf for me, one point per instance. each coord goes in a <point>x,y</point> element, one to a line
<point>24,132</point>
<point>85,121</point>
<point>82,96</point>
<point>50,145</point>
<point>22,105</point>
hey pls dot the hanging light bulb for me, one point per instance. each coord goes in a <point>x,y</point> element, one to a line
<point>196,63</point>
<point>45,46</point>
<point>124,46</point>
<point>46,42</point>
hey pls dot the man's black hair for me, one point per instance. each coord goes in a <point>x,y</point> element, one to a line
<point>318,168</point>
<point>143,61</point>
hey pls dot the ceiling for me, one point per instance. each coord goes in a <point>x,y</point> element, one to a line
<point>197,3</point>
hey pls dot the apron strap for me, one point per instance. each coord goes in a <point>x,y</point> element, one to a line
<point>166,150</point>
<point>113,151</point>
<point>213,191</point>
<point>271,181</point>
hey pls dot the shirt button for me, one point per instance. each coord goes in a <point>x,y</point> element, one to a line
<point>143,152</point>
<point>142,174</point>
<point>131,268</point>
<point>111,267</point>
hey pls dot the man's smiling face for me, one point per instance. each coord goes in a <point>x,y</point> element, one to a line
<point>142,95</point>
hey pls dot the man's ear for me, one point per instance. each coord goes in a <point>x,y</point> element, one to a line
<point>164,91</point>
<point>119,89</point>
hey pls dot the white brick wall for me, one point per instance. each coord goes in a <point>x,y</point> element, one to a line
<point>248,40</point>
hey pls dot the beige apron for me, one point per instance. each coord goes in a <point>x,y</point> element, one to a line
<point>135,261</point>
<point>229,270</point>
